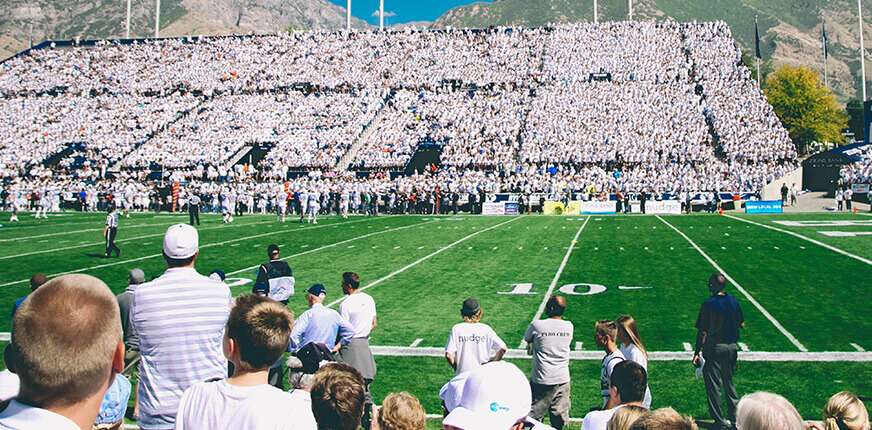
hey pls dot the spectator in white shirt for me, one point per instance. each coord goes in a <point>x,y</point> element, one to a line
<point>549,342</point>
<point>358,309</point>
<point>606,333</point>
<point>64,394</point>
<point>472,343</point>
<point>255,336</point>
<point>628,384</point>
<point>180,318</point>
<point>633,348</point>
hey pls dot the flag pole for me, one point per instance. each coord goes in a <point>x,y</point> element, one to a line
<point>157,19</point>
<point>595,17</point>
<point>381,14</point>
<point>631,9</point>
<point>862,49</point>
<point>348,15</point>
<point>127,33</point>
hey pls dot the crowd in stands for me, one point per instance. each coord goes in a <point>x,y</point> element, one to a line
<point>211,365</point>
<point>667,105</point>
<point>861,171</point>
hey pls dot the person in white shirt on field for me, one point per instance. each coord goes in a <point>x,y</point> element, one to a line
<point>606,333</point>
<point>256,335</point>
<point>358,309</point>
<point>626,387</point>
<point>63,394</point>
<point>633,348</point>
<point>549,342</point>
<point>472,343</point>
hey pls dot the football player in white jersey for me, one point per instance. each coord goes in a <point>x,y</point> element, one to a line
<point>343,203</point>
<point>313,207</point>
<point>281,205</point>
<point>304,204</point>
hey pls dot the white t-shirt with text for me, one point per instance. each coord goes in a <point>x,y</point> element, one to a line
<point>472,344</point>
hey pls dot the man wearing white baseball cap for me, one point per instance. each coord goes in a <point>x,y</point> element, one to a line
<point>496,396</point>
<point>180,318</point>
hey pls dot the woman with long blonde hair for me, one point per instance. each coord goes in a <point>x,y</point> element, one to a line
<point>845,411</point>
<point>633,348</point>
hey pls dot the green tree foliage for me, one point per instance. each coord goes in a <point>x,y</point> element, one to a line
<point>807,109</point>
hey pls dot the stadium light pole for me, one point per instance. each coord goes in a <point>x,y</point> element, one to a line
<point>595,17</point>
<point>127,32</point>
<point>348,15</point>
<point>381,15</point>
<point>631,9</point>
<point>156,19</point>
<point>862,49</point>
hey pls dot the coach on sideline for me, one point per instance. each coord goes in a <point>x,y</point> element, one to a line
<point>718,324</point>
<point>62,382</point>
<point>180,319</point>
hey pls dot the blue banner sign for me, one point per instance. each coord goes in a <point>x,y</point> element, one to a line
<point>764,207</point>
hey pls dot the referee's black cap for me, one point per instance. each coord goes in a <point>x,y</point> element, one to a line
<point>272,250</point>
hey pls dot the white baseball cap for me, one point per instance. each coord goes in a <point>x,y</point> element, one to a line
<point>181,241</point>
<point>495,397</point>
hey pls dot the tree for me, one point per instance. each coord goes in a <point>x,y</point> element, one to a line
<point>807,109</point>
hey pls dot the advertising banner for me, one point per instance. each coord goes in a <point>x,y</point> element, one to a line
<point>764,207</point>
<point>860,188</point>
<point>553,208</point>
<point>493,209</point>
<point>512,208</point>
<point>598,208</point>
<point>661,207</point>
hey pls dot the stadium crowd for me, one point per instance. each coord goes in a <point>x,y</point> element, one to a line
<point>668,106</point>
<point>222,364</point>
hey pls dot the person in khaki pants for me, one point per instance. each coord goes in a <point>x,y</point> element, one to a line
<point>549,342</point>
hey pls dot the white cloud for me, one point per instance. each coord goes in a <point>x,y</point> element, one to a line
<point>388,13</point>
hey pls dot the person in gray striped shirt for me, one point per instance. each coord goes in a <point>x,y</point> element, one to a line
<point>180,318</point>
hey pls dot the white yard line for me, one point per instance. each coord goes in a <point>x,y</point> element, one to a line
<point>556,278</point>
<point>425,258</point>
<point>300,254</point>
<point>861,357</point>
<point>96,221</point>
<point>209,245</point>
<point>103,243</point>
<point>807,239</point>
<point>744,292</point>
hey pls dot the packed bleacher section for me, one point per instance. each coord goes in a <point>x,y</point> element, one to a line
<point>619,106</point>
<point>861,171</point>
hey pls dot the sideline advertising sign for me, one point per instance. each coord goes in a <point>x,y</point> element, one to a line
<point>512,208</point>
<point>860,188</point>
<point>598,208</point>
<point>659,207</point>
<point>493,208</point>
<point>763,207</point>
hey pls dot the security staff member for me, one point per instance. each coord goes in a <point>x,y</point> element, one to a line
<point>194,209</point>
<point>718,324</point>
<point>111,231</point>
<point>275,279</point>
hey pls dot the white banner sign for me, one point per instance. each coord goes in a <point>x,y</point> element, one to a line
<point>860,188</point>
<point>493,209</point>
<point>659,207</point>
<point>595,207</point>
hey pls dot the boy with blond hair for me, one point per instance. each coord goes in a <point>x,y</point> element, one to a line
<point>255,336</point>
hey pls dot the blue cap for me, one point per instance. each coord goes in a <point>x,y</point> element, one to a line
<point>114,401</point>
<point>317,290</point>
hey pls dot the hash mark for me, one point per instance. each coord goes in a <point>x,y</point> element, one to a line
<point>858,347</point>
<point>416,343</point>
<point>743,347</point>
<point>579,346</point>
<point>396,247</point>
<point>687,346</point>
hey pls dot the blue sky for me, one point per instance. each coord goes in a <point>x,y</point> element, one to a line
<point>400,11</point>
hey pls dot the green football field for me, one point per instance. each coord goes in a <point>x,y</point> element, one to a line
<point>803,281</point>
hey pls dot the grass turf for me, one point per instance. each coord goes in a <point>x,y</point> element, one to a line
<point>419,269</point>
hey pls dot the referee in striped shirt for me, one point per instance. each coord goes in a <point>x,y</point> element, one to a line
<point>111,231</point>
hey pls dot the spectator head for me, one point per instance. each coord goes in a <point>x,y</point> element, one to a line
<point>625,416</point>
<point>766,411</point>
<point>629,382</point>
<point>37,281</point>
<point>136,276</point>
<point>628,333</point>
<point>272,251</point>
<point>664,419</point>
<point>257,333</point>
<point>338,396</point>
<point>471,310</point>
<point>555,307</point>
<point>44,327</point>
<point>845,411</point>
<point>495,396</point>
<point>181,245</point>
<point>717,283</point>
<point>605,331</point>
<point>316,294</point>
<point>401,411</point>
<point>350,282</point>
